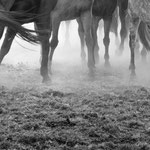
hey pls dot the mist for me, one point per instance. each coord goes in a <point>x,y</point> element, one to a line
<point>23,52</point>
<point>67,66</point>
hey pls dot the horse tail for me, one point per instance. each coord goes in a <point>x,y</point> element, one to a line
<point>25,34</point>
<point>144,35</point>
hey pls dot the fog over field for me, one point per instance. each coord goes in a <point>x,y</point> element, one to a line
<point>67,58</point>
<point>23,52</point>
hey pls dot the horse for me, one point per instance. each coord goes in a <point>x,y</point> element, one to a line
<point>115,25</point>
<point>68,10</point>
<point>102,9</point>
<point>37,11</point>
<point>144,37</point>
<point>58,10</point>
<point>113,29</point>
<point>120,14</point>
<point>139,12</point>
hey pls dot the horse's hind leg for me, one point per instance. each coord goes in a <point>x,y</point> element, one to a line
<point>94,34</point>
<point>87,24</point>
<point>114,26</point>
<point>106,40</point>
<point>132,43</point>
<point>116,34</point>
<point>54,41</point>
<point>44,39</point>
<point>9,36</point>
<point>137,47</point>
<point>123,31</point>
<point>82,39</point>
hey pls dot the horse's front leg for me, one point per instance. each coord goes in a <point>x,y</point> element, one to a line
<point>106,40</point>
<point>44,62</point>
<point>87,25</point>
<point>144,54</point>
<point>132,43</point>
<point>114,26</point>
<point>55,20</point>
<point>44,39</point>
<point>82,39</point>
<point>123,6</point>
<point>94,34</point>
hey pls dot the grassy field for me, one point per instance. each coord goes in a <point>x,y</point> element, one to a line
<point>73,113</point>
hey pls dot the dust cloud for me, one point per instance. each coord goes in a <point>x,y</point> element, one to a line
<point>68,72</point>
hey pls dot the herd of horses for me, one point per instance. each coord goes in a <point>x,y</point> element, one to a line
<point>48,14</point>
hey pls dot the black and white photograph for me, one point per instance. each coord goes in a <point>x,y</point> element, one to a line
<point>74,75</point>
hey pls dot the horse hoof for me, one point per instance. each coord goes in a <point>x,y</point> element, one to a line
<point>132,68</point>
<point>46,80</point>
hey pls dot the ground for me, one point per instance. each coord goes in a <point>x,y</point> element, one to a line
<point>73,112</point>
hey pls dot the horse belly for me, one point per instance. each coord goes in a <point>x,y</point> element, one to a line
<point>71,9</point>
<point>26,5</point>
<point>104,8</point>
<point>70,14</point>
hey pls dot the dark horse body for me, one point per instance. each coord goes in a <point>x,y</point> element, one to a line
<point>103,9</point>
<point>47,14</point>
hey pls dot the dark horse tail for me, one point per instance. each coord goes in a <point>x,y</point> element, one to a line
<point>25,34</point>
<point>144,35</point>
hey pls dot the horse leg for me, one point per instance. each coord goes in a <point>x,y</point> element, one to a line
<point>132,43</point>
<point>82,39</point>
<point>94,34</point>
<point>36,29</point>
<point>1,31</point>
<point>44,39</point>
<point>9,36</point>
<point>144,54</point>
<point>123,31</point>
<point>114,26</point>
<point>87,25</point>
<point>137,47</point>
<point>106,40</point>
<point>54,41</point>
<point>116,34</point>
